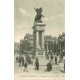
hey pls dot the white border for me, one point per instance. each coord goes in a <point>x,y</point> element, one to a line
<point>6,39</point>
<point>72,26</point>
<point>72,22</point>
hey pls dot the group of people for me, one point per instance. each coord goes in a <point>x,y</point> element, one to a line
<point>22,62</point>
<point>51,58</point>
<point>56,58</point>
<point>49,65</point>
<point>25,63</point>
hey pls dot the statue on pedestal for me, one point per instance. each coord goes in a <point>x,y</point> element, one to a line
<point>39,15</point>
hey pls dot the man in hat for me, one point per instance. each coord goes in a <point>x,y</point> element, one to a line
<point>37,64</point>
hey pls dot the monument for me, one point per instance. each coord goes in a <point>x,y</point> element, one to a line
<point>38,37</point>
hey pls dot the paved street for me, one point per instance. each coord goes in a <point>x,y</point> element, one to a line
<point>56,73</point>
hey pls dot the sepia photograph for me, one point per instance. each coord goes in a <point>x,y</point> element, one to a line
<point>39,39</point>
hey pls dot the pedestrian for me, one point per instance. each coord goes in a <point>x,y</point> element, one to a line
<point>49,66</point>
<point>26,67</point>
<point>22,61</point>
<point>37,64</point>
<point>55,59</point>
<point>29,60</point>
<point>19,61</point>
<point>51,57</point>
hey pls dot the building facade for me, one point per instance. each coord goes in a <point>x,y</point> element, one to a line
<point>51,44</point>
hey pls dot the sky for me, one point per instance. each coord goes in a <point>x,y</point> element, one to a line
<point>24,14</point>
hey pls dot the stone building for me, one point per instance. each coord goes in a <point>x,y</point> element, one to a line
<point>26,44</point>
<point>49,43</point>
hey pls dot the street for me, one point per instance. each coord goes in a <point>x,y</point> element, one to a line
<point>57,72</point>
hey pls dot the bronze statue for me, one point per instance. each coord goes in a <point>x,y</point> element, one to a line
<point>39,14</point>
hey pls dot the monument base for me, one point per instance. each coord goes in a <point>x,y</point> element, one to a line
<point>40,54</point>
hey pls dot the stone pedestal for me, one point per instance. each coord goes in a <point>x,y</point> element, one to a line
<point>38,42</point>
